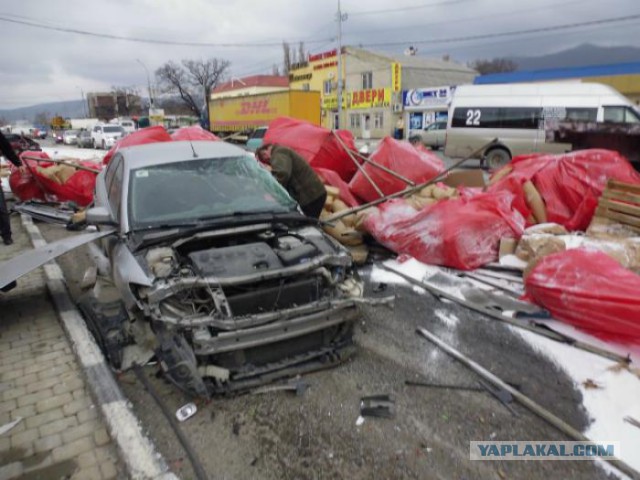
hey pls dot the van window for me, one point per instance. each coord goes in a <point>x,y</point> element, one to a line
<point>582,114</point>
<point>620,115</point>
<point>493,117</point>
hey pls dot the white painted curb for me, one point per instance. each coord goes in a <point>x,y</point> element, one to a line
<point>136,450</point>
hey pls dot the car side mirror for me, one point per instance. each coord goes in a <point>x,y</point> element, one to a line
<point>99,216</point>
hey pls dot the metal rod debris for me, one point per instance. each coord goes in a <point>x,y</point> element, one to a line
<point>408,190</point>
<point>523,399</point>
<point>357,163</point>
<point>516,323</point>
<point>61,162</point>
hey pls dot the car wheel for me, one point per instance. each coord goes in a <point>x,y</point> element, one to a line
<point>497,158</point>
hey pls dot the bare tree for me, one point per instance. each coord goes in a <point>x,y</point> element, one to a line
<point>302,54</point>
<point>495,65</point>
<point>275,70</point>
<point>193,80</point>
<point>287,60</point>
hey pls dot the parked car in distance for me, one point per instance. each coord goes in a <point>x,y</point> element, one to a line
<point>105,135</point>
<point>84,139</point>
<point>254,141</point>
<point>70,137</point>
<point>57,136</point>
<point>434,135</point>
<point>214,262</point>
<point>42,133</point>
<point>21,143</point>
<point>128,126</point>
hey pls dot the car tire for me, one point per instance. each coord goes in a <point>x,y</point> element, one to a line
<point>497,158</point>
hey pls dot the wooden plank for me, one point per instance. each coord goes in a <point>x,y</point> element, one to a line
<point>619,217</point>
<point>627,187</point>
<point>620,207</point>
<point>622,196</point>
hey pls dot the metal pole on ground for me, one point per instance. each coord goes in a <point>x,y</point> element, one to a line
<point>525,401</point>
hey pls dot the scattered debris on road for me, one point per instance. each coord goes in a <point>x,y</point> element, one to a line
<point>381,406</point>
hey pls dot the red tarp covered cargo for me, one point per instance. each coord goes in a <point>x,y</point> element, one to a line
<point>589,290</point>
<point>570,184</point>
<point>32,183</point>
<point>329,177</point>
<point>139,137</point>
<point>193,133</point>
<point>462,233</point>
<point>316,145</point>
<point>401,157</point>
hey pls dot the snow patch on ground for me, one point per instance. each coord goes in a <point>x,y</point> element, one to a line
<point>607,406</point>
<point>448,318</point>
<point>421,272</point>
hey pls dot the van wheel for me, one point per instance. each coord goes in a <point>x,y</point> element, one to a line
<point>497,158</point>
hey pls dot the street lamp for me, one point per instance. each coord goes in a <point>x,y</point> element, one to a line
<point>84,106</point>
<point>148,82</point>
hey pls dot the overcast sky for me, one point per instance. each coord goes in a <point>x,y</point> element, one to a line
<point>45,65</point>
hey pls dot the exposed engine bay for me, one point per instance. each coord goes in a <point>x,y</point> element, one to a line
<point>230,309</point>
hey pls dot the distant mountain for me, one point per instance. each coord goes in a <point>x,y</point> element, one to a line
<point>580,56</point>
<point>68,109</point>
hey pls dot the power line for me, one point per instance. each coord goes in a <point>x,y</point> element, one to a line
<point>403,9</point>
<point>505,34</point>
<point>468,19</point>
<point>150,40</point>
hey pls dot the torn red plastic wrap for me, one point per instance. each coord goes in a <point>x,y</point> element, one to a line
<point>590,290</point>
<point>570,184</point>
<point>329,177</point>
<point>462,233</point>
<point>32,183</point>
<point>139,137</point>
<point>316,145</point>
<point>401,157</point>
<point>194,133</point>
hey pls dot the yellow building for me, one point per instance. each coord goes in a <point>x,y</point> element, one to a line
<point>319,73</point>
<point>372,86</point>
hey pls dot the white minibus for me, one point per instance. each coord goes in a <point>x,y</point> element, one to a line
<point>518,114</point>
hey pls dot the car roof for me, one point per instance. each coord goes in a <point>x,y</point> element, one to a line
<point>159,153</point>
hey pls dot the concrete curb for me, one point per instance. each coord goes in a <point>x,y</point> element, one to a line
<point>136,450</point>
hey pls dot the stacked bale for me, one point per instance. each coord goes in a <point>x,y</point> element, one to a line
<point>343,230</point>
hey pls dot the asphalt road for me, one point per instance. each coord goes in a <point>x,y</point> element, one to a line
<point>280,436</point>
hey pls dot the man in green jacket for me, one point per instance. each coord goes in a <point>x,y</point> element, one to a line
<point>294,173</point>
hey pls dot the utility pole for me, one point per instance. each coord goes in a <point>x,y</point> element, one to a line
<point>84,104</point>
<point>148,82</point>
<point>340,18</point>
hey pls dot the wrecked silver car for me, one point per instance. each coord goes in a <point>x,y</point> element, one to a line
<point>215,270</point>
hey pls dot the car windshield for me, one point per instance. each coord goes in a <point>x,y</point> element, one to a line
<point>71,132</point>
<point>113,129</point>
<point>202,189</point>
